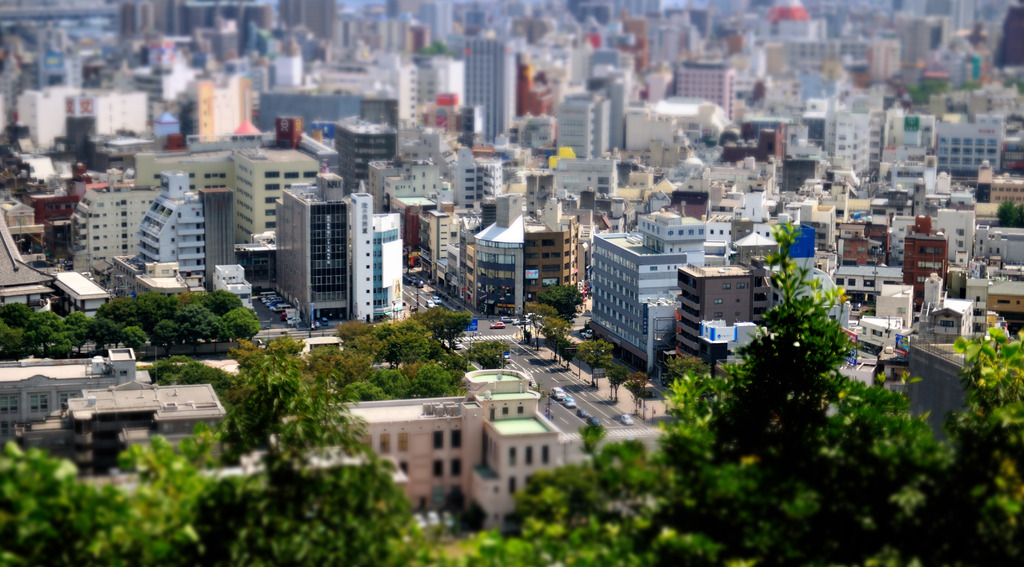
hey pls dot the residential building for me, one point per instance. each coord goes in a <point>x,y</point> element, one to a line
<point>231,278</point>
<point>387,264</point>
<point>999,245</point>
<point>578,175</point>
<point>173,229</point>
<point>947,321</point>
<point>864,284</point>
<point>33,389</point>
<point>1005,299</point>
<point>714,82</point>
<point>442,230</point>
<point>895,300</point>
<point>104,223</point>
<point>731,294</point>
<point>401,177</point>
<point>959,227</point>
<point>583,121</point>
<point>863,243</point>
<point>99,424</point>
<point>312,242</point>
<point>360,143</point>
<point>491,83</point>
<point>924,253</point>
<point>634,283</point>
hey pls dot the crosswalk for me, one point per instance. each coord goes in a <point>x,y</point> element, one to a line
<point>625,432</point>
<point>514,338</point>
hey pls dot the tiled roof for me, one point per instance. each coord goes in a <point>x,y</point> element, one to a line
<point>14,272</point>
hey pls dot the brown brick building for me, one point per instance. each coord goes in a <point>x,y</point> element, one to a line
<point>726,293</point>
<point>550,253</point>
<point>924,253</point>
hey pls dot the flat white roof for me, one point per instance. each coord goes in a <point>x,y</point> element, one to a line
<point>79,285</point>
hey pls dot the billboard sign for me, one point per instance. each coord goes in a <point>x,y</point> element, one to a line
<point>53,61</point>
<point>474,326</point>
<point>851,357</point>
<point>902,344</point>
<point>532,274</point>
<point>911,123</point>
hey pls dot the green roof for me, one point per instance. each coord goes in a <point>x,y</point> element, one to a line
<point>508,396</point>
<point>520,426</point>
<point>488,376</point>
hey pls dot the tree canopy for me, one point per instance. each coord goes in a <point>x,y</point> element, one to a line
<point>565,299</point>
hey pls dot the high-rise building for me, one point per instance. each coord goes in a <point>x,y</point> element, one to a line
<point>97,241</point>
<point>437,15</point>
<point>173,229</point>
<point>319,16</point>
<point>715,82</point>
<point>490,83</point>
<point>924,253</point>
<point>583,124</point>
<point>313,248</point>
<point>476,178</point>
<point>358,143</point>
<point>729,294</point>
<point>1013,37</point>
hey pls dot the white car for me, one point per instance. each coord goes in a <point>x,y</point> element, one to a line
<point>626,419</point>
<point>557,393</point>
<point>431,304</point>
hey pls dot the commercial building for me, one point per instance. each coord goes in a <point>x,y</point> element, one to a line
<point>313,248</point>
<point>732,294</point>
<point>924,253</point>
<point>491,83</point>
<point>31,389</point>
<point>498,252</point>
<point>714,82</point>
<point>481,448</point>
<point>634,284</point>
<point>476,179</point>
<point>583,121</point>
<point>578,175</point>
<point>963,148</point>
<point>99,424</point>
<point>76,292</point>
<point>260,176</point>
<point>381,279</point>
<point>550,253</point>
<point>360,143</point>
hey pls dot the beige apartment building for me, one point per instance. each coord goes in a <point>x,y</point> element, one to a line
<point>481,448</point>
<point>104,224</point>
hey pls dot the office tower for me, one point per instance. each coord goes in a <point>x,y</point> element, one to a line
<point>1013,37</point>
<point>583,124</point>
<point>437,16</point>
<point>715,82</point>
<point>358,143</point>
<point>490,83</point>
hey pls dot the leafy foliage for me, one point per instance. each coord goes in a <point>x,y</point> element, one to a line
<point>445,326</point>
<point>488,354</point>
<point>1010,215</point>
<point>597,353</point>
<point>566,300</point>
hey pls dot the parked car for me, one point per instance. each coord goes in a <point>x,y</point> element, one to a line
<point>587,334</point>
<point>593,420</point>
<point>495,325</point>
<point>506,319</point>
<point>626,419</point>
<point>558,393</point>
<point>580,412</point>
<point>569,402</point>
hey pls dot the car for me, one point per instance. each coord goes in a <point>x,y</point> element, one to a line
<point>459,346</point>
<point>558,393</point>
<point>431,304</point>
<point>580,412</point>
<point>569,402</point>
<point>498,325</point>
<point>626,419</point>
<point>587,334</point>
<point>436,298</point>
<point>533,383</point>
<point>593,420</point>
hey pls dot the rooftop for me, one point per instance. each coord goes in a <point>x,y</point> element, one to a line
<point>717,271</point>
<point>528,426</point>
<point>198,400</point>
<point>82,286</point>
<point>398,410</point>
<point>630,242</point>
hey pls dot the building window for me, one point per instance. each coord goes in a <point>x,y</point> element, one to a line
<point>385,443</point>
<point>456,467</point>
<point>8,404</point>
<point>403,441</point>
<point>271,174</point>
<point>439,439</point>
<point>520,410</point>
<point>948,323</point>
<point>456,438</point>
<point>291,175</point>
<point>718,315</point>
<point>511,456</point>
<point>438,468</point>
<point>504,410</point>
<point>529,455</point>
<point>544,455</point>
<point>511,485</point>
<point>727,286</point>
<point>39,402</point>
<point>719,300</point>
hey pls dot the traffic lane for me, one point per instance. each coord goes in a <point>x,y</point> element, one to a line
<point>549,374</point>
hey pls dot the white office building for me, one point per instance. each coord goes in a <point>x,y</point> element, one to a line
<point>476,178</point>
<point>173,229</point>
<point>231,278</point>
<point>583,121</point>
<point>963,147</point>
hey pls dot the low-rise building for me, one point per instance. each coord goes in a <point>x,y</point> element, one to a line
<point>76,292</point>
<point>231,278</point>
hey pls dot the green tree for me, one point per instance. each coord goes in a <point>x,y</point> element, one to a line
<point>445,326</point>
<point>404,342</point>
<point>556,333</point>
<point>46,334</point>
<point>535,314</point>
<point>433,381</point>
<point>636,384</point>
<point>677,367</point>
<point>596,353</point>
<point>488,354</point>
<point>435,48</point>
<point>134,337</point>
<point>183,371</point>
<point>15,315</point>
<point>121,310</point>
<point>565,299</point>
<point>617,375</point>
<point>393,384</point>
<point>241,323</point>
<point>1010,215</point>
<point>76,325</point>
<point>11,341</point>
<point>221,302</point>
<point>104,332</point>
<point>152,307</point>
<point>365,392</point>
<point>196,323</point>
<point>165,335</point>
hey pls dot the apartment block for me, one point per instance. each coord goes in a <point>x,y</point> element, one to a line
<point>104,222</point>
<point>732,294</point>
<point>924,253</point>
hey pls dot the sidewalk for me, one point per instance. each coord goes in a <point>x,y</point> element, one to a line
<point>655,406</point>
